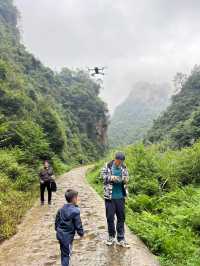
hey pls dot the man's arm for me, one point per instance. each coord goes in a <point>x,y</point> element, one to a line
<point>107,178</point>
<point>78,224</point>
<point>125,176</point>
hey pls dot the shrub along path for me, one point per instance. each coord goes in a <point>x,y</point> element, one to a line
<point>35,243</point>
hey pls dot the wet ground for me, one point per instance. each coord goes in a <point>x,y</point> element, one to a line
<point>35,243</point>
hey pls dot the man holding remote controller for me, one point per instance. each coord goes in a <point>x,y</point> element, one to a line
<point>115,176</point>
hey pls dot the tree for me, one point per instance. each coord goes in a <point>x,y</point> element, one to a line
<point>179,81</point>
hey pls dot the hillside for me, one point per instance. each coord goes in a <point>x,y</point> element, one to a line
<point>43,115</point>
<point>179,125</point>
<point>135,115</point>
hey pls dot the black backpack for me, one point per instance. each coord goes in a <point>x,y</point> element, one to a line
<point>53,185</point>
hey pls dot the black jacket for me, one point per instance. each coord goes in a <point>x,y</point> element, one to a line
<point>46,174</point>
<point>68,222</point>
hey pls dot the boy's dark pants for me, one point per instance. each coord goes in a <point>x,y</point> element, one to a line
<point>115,207</point>
<point>43,186</point>
<point>65,247</point>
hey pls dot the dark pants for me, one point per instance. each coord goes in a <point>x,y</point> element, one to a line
<point>65,241</point>
<point>43,186</point>
<point>66,249</point>
<point>115,207</point>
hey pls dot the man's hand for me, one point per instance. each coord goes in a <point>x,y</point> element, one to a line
<point>116,179</point>
<point>113,178</point>
<point>125,179</point>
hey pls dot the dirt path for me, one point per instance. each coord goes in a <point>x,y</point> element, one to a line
<point>35,243</point>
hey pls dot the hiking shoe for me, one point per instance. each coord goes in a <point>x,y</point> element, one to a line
<point>42,203</point>
<point>49,202</point>
<point>123,244</point>
<point>110,241</point>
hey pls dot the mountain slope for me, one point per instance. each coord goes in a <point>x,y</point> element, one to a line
<point>135,115</point>
<point>43,115</point>
<point>179,124</point>
<point>30,91</point>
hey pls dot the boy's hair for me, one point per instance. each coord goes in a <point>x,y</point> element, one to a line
<point>70,194</point>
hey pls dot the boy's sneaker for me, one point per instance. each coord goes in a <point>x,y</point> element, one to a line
<point>110,241</point>
<point>123,243</point>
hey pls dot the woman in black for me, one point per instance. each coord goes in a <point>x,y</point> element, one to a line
<point>45,181</point>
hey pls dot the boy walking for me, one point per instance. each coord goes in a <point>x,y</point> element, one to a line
<point>67,223</point>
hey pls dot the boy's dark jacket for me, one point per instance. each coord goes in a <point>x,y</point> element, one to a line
<point>68,222</point>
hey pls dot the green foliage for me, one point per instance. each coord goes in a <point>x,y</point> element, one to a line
<point>163,207</point>
<point>94,177</point>
<point>43,115</point>
<point>59,167</point>
<point>180,122</point>
<point>65,106</point>
<point>30,137</point>
<point>53,127</point>
<point>16,184</point>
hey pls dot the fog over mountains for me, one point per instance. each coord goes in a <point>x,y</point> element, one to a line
<point>136,40</point>
<point>135,115</point>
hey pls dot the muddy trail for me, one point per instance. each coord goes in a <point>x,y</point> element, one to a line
<point>35,243</point>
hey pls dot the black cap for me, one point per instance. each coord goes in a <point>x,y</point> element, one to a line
<point>120,156</point>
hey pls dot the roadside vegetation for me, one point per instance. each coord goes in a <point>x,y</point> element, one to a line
<point>19,187</point>
<point>163,207</point>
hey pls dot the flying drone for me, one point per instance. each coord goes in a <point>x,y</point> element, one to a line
<point>96,71</point>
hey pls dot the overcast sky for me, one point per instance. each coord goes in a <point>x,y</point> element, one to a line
<point>147,40</point>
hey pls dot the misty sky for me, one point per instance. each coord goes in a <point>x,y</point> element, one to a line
<point>147,40</point>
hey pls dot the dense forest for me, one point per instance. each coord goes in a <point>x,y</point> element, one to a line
<point>43,115</point>
<point>135,115</point>
<point>179,125</point>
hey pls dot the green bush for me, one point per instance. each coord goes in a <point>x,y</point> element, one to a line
<point>10,166</point>
<point>140,203</point>
<point>30,137</point>
<point>18,187</point>
<point>59,167</point>
<point>13,205</point>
